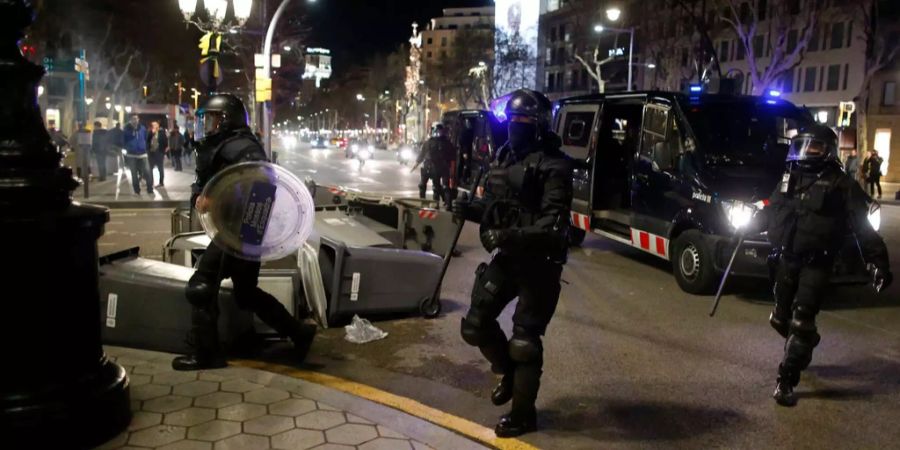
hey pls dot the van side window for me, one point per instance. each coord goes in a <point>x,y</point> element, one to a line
<point>660,140</point>
<point>577,130</point>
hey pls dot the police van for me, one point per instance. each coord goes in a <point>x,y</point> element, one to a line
<point>676,174</point>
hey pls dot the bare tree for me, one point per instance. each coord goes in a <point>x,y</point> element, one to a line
<point>751,30</point>
<point>880,33</point>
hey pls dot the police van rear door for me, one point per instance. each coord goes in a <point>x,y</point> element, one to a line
<point>577,126</point>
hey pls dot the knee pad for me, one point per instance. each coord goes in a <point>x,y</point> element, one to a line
<point>526,349</point>
<point>200,292</point>
<point>803,323</point>
<point>477,332</point>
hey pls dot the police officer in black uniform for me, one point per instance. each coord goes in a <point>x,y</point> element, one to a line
<point>227,141</point>
<point>435,158</point>
<point>811,211</point>
<point>524,216</point>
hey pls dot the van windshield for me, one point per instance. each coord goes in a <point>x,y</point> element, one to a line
<point>744,133</point>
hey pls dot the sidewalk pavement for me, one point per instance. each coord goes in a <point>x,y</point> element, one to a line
<point>117,191</point>
<point>246,408</point>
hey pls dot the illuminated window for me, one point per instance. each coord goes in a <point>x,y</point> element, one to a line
<point>883,146</point>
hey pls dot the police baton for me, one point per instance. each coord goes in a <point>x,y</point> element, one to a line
<point>459,227</point>
<point>737,248</point>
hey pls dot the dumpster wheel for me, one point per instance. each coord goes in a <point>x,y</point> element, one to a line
<point>430,307</point>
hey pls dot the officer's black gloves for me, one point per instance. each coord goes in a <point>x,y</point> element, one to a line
<point>881,278</point>
<point>461,209</point>
<point>493,239</point>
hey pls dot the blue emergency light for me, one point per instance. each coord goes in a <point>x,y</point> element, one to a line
<point>774,93</point>
<point>696,88</point>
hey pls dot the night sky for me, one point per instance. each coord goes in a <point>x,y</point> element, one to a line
<point>354,29</point>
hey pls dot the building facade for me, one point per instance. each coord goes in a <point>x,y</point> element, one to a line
<point>441,32</point>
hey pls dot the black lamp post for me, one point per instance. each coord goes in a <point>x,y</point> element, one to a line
<point>57,389</point>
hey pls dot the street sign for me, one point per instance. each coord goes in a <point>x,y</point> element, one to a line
<point>263,89</point>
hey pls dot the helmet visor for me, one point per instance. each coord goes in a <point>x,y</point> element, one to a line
<point>807,148</point>
<point>210,121</point>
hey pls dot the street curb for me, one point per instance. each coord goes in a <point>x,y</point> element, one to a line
<point>152,204</point>
<point>396,405</point>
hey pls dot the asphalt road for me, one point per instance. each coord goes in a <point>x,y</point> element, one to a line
<point>631,361</point>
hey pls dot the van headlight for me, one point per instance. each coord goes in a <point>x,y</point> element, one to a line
<point>875,216</point>
<point>738,213</point>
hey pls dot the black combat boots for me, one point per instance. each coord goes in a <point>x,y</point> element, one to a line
<point>503,392</point>
<point>516,424</point>
<point>204,338</point>
<point>784,388</point>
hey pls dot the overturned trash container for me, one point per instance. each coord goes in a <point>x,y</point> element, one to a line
<point>425,227</point>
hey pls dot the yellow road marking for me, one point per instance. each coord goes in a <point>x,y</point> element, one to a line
<point>459,425</point>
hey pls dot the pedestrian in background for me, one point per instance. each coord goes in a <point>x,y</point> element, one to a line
<point>60,140</point>
<point>189,144</point>
<point>99,149</point>
<point>176,144</point>
<point>157,145</point>
<point>873,172</point>
<point>115,143</point>
<point>135,140</point>
<point>83,151</point>
<point>851,164</point>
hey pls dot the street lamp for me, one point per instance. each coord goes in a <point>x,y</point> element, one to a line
<point>600,28</point>
<point>242,9</point>
<point>216,10</point>
<point>613,14</point>
<point>188,7</point>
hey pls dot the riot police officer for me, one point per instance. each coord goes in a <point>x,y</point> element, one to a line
<point>435,157</point>
<point>811,211</point>
<point>228,140</point>
<point>524,216</point>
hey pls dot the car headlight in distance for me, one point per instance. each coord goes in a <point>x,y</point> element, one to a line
<point>738,213</point>
<point>875,216</point>
<point>365,154</point>
<point>406,154</point>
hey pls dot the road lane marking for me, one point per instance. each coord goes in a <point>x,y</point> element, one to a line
<point>412,407</point>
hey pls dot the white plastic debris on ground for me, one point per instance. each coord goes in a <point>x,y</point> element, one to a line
<point>361,331</point>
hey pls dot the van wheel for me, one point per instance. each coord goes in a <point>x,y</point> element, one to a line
<point>576,236</point>
<point>692,263</point>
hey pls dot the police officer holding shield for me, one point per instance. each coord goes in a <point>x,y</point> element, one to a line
<point>524,216</point>
<point>228,140</point>
<point>811,211</point>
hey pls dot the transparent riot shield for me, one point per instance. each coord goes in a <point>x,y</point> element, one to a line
<point>257,211</point>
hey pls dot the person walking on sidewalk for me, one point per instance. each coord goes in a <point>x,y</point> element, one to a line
<point>157,145</point>
<point>189,143</point>
<point>115,143</point>
<point>176,144</point>
<point>59,140</point>
<point>228,141</point>
<point>99,149</point>
<point>135,140</point>
<point>873,172</point>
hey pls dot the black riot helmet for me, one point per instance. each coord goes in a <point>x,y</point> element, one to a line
<point>813,146</point>
<point>531,104</point>
<point>222,113</point>
<point>529,114</point>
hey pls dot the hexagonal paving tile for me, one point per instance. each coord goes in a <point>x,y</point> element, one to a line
<point>143,419</point>
<point>384,431</point>
<point>420,446</point>
<point>148,391</point>
<point>268,425</point>
<point>217,400</point>
<point>242,411</point>
<point>152,369</point>
<point>214,430</point>
<point>356,419</point>
<point>190,417</point>
<point>167,404</point>
<point>196,388</point>
<point>386,444</point>
<point>334,447</point>
<point>297,439</point>
<point>187,445</point>
<point>115,442</point>
<point>173,377</point>
<point>351,434</point>
<point>265,396</point>
<point>243,442</point>
<point>292,407</point>
<point>320,420</point>
<point>210,376</point>
<point>326,407</point>
<point>138,379</point>
<point>239,385</point>
<point>157,436</point>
